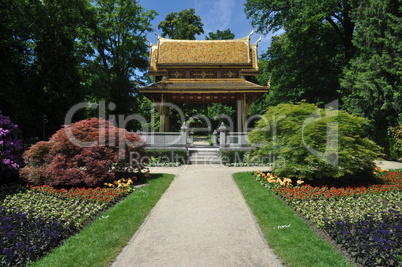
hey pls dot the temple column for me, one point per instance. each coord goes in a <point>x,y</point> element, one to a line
<point>239,113</point>
<point>163,115</point>
<point>244,103</point>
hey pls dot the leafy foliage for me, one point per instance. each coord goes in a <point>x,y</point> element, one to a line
<point>85,162</point>
<point>372,83</point>
<point>10,149</point>
<point>118,49</point>
<point>395,141</point>
<point>23,239</point>
<point>295,15</point>
<point>56,54</point>
<point>311,143</point>
<point>371,242</point>
<point>181,25</point>
<point>220,35</point>
<point>52,207</point>
<point>301,68</point>
<point>353,204</point>
<point>35,220</point>
<point>349,50</point>
<point>306,61</point>
<point>219,113</point>
<point>40,75</point>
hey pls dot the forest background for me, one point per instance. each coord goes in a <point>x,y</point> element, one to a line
<point>57,53</point>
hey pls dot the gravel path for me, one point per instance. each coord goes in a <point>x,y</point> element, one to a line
<point>389,164</point>
<point>201,220</point>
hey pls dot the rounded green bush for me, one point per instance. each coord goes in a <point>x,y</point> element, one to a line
<point>307,142</point>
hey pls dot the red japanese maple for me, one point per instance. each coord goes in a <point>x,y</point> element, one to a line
<point>80,154</point>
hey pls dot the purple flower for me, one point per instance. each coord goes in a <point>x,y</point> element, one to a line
<point>385,231</point>
<point>378,239</point>
<point>10,146</point>
<point>394,211</point>
<point>7,251</point>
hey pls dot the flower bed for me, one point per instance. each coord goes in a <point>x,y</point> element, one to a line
<point>365,220</point>
<point>392,182</point>
<point>33,220</point>
<point>370,241</point>
<point>96,194</point>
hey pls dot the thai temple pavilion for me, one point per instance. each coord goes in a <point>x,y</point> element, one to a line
<point>203,71</point>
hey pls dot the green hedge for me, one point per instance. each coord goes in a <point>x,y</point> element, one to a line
<point>395,140</point>
<point>164,156</point>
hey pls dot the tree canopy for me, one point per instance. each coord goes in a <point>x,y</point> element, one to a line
<point>220,35</point>
<point>182,25</point>
<point>272,15</point>
<point>55,54</point>
<point>333,49</point>
<point>372,82</point>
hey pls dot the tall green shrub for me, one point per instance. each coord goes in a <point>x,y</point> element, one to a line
<point>309,143</point>
<point>395,141</point>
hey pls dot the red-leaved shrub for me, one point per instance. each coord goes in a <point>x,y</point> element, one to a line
<point>81,154</point>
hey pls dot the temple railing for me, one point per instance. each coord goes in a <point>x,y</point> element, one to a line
<point>167,139</point>
<point>221,138</point>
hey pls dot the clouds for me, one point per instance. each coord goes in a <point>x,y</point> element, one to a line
<point>216,14</point>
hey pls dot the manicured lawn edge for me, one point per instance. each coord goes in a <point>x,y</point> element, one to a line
<point>291,238</point>
<point>101,242</point>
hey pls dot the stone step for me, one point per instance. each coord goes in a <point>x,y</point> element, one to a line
<point>207,160</point>
<point>204,155</point>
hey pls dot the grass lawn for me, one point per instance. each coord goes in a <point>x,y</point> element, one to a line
<point>291,238</point>
<point>102,241</point>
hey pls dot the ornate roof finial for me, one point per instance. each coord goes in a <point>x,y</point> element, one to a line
<point>251,33</point>
<point>149,41</point>
<point>269,82</point>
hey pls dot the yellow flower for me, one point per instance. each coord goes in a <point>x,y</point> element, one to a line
<point>287,181</point>
<point>300,182</point>
<point>271,180</point>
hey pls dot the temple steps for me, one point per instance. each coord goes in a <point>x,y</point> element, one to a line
<point>204,155</point>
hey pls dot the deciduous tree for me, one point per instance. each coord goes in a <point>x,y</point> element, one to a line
<point>272,15</point>
<point>119,47</point>
<point>182,25</point>
<point>220,35</point>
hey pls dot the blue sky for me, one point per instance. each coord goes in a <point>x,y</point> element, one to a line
<point>215,14</point>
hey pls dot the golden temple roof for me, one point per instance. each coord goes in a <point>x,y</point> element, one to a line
<point>170,53</point>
